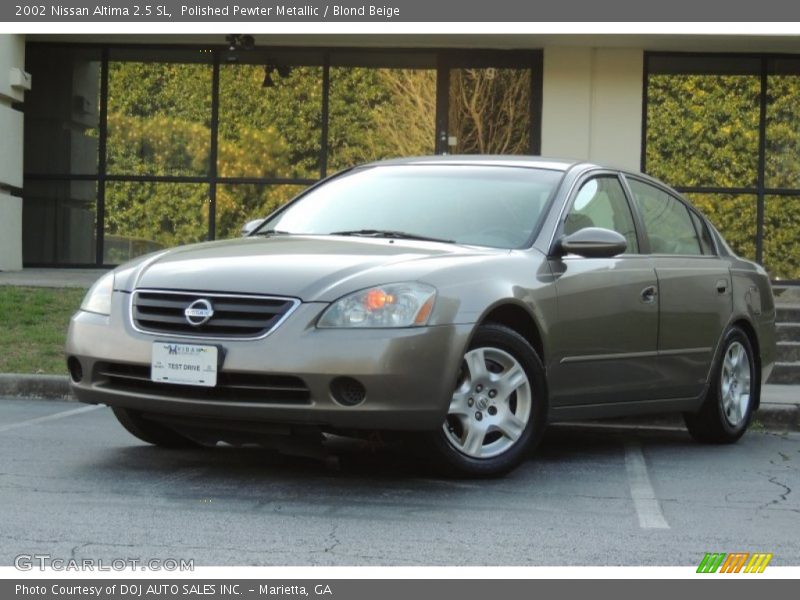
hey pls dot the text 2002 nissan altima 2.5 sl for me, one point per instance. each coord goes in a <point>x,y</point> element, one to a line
<point>469,299</point>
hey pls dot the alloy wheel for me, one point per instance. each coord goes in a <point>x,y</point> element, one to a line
<point>491,405</point>
<point>735,384</point>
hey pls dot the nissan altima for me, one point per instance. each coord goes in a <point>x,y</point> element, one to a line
<point>468,301</point>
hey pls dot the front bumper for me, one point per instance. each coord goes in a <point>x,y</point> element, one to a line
<point>408,374</point>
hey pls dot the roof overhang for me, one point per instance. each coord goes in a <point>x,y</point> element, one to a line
<point>674,42</point>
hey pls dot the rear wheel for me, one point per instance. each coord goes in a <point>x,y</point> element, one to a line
<point>150,431</point>
<point>728,408</point>
<point>498,410</point>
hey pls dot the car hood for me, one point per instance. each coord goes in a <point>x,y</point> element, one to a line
<point>311,268</point>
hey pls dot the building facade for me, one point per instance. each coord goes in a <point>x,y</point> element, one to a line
<point>134,144</point>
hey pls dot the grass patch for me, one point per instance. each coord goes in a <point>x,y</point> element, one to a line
<point>33,327</point>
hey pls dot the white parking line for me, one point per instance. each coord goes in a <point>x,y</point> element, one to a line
<point>58,415</point>
<point>644,497</point>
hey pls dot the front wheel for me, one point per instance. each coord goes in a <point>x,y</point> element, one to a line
<point>498,411</point>
<point>728,407</point>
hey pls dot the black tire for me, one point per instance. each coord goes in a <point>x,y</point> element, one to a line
<point>451,460</point>
<point>150,431</point>
<point>711,424</point>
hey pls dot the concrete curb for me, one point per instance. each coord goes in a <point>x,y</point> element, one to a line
<point>46,387</point>
<point>779,416</point>
<point>771,416</point>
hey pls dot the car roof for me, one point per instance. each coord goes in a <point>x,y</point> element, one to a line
<point>535,162</point>
<point>531,162</point>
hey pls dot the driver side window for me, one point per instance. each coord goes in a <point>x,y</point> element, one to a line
<point>601,202</point>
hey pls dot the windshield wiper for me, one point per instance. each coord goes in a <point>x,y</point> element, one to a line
<point>389,233</point>
<point>272,232</point>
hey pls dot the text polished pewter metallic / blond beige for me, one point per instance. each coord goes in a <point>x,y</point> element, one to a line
<point>366,10</point>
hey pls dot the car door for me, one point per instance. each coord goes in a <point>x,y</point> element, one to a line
<point>694,287</point>
<point>604,340</point>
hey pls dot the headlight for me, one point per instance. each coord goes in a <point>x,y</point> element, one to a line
<point>98,298</point>
<point>393,305</point>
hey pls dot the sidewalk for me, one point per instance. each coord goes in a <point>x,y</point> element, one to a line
<point>58,278</point>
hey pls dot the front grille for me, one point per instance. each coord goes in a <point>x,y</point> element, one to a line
<point>231,386</point>
<point>235,316</point>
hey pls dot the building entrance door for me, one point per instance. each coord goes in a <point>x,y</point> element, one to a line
<point>486,105</point>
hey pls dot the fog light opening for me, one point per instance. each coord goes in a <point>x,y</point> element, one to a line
<point>347,391</point>
<point>75,369</point>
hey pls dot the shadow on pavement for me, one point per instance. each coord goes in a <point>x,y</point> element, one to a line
<point>360,460</point>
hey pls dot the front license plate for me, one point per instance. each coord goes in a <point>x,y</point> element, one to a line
<point>185,364</point>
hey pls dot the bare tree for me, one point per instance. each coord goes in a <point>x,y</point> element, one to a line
<point>490,110</point>
<point>406,125</point>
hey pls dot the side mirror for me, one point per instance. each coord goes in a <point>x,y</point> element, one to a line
<point>593,242</point>
<point>250,226</point>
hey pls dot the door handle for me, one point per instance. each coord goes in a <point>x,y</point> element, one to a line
<point>649,294</point>
<point>722,286</point>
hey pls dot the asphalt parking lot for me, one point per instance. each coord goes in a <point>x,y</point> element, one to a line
<point>74,484</point>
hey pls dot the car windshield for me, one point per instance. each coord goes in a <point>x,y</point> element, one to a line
<point>477,205</point>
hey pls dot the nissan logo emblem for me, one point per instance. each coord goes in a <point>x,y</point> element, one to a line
<point>199,312</point>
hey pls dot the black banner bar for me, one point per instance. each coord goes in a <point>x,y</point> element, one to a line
<point>458,11</point>
<point>730,587</point>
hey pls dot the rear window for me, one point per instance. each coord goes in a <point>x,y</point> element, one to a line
<point>667,221</point>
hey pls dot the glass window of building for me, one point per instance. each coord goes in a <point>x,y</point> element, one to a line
<point>143,217</point>
<point>489,111</point>
<point>723,130</point>
<point>380,106</point>
<point>134,148</point>
<point>159,113</point>
<point>59,222</point>
<point>270,120</point>
<point>240,203</point>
